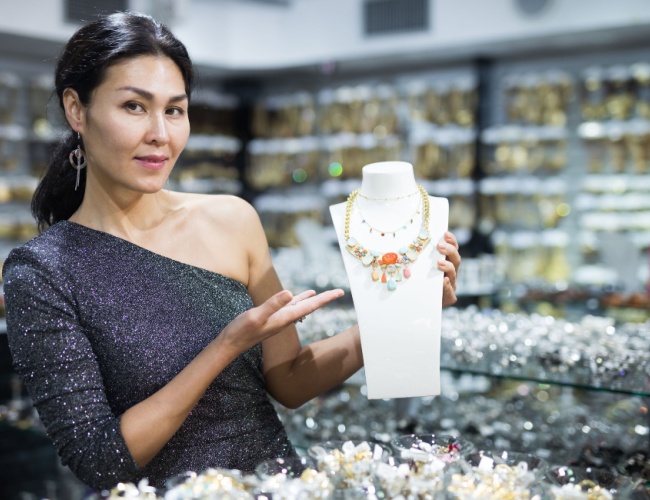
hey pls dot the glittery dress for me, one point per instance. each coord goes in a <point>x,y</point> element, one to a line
<point>96,324</point>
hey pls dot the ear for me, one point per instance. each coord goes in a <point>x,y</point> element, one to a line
<point>75,112</point>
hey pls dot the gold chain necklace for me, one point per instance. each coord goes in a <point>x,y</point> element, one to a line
<point>393,265</point>
<point>389,199</point>
<point>383,232</point>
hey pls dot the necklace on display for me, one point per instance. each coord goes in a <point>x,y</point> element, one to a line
<point>383,232</point>
<point>393,265</point>
<point>389,199</point>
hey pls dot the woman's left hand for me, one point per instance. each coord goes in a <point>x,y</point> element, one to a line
<point>448,247</point>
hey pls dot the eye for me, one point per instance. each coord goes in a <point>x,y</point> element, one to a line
<point>176,111</point>
<point>133,106</point>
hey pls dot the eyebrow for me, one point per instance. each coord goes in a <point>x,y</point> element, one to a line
<point>148,95</point>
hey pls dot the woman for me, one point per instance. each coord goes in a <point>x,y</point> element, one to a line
<point>149,325</point>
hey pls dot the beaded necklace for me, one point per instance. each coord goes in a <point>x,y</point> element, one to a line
<point>393,265</point>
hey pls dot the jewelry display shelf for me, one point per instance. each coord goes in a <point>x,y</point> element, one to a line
<point>645,392</point>
<point>562,366</point>
<point>593,353</point>
<point>500,393</point>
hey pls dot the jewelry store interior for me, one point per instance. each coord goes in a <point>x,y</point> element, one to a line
<point>530,117</point>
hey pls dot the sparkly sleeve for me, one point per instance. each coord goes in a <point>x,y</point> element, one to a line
<point>60,371</point>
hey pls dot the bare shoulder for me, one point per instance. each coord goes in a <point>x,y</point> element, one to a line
<point>221,233</point>
<point>223,210</point>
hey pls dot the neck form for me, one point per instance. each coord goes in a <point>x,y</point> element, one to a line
<point>387,179</point>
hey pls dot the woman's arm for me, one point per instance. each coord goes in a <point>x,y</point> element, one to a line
<point>147,426</point>
<point>63,376</point>
<point>315,369</point>
<point>60,371</point>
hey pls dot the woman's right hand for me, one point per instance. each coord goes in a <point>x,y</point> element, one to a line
<point>272,317</point>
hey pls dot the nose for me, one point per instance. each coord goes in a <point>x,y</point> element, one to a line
<point>157,132</point>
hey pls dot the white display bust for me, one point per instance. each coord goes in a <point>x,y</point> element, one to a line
<point>399,325</point>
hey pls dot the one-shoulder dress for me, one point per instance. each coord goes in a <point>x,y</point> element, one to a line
<point>97,324</point>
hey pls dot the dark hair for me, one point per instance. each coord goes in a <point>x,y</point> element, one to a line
<point>82,66</point>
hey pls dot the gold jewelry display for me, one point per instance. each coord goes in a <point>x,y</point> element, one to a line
<point>394,266</point>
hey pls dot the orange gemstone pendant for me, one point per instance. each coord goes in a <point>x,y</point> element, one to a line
<point>389,258</point>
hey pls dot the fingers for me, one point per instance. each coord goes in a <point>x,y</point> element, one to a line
<point>450,272</point>
<point>448,293</point>
<point>273,316</point>
<point>312,302</point>
<point>450,238</point>
<point>448,246</point>
<point>278,301</point>
<point>298,298</point>
<point>280,311</point>
<point>303,296</point>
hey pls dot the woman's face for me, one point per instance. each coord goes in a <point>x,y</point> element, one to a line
<point>136,125</point>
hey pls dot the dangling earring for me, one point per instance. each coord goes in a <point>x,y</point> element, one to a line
<point>78,159</point>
